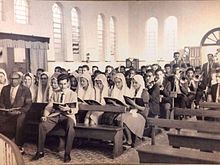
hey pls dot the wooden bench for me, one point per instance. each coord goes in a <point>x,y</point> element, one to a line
<point>98,132</point>
<point>209,105</point>
<point>206,139</point>
<point>166,154</point>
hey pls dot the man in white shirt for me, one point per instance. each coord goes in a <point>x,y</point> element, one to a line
<point>54,115</point>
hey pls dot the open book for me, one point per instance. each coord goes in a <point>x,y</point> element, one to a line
<point>10,109</point>
<point>80,100</point>
<point>110,100</point>
<point>139,101</point>
<point>71,105</point>
<point>92,102</point>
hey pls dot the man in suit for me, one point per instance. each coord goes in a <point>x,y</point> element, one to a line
<point>17,99</point>
<point>165,89</point>
<point>64,114</point>
<point>215,89</point>
<point>208,68</point>
<point>177,60</point>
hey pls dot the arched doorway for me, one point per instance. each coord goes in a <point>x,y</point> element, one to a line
<point>210,43</point>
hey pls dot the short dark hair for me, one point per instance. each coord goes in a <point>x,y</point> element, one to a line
<point>62,76</point>
<point>159,69</point>
<point>167,65</point>
<point>86,66</point>
<point>150,71</point>
<point>40,69</point>
<point>190,69</point>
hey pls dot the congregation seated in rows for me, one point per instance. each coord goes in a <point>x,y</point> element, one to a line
<point>176,85</point>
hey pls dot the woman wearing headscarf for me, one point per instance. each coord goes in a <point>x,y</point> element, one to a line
<point>3,79</point>
<point>120,89</point>
<point>43,88</point>
<point>28,81</point>
<point>54,87</point>
<point>85,92</point>
<point>101,91</point>
<point>134,120</point>
<point>74,78</point>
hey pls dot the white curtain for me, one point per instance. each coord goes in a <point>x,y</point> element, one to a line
<point>38,59</point>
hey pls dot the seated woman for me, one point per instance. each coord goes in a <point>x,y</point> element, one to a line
<point>101,91</point>
<point>134,120</point>
<point>3,79</point>
<point>43,88</point>
<point>28,81</point>
<point>85,92</point>
<point>120,88</point>
<point>73,81</point>
<point>54,86</point>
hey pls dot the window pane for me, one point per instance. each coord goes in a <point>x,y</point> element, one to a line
<point>21,11</point>
<point>57,29</point>
<point>170,30</point>
<point>75,32</point>
<point>112,36</point>
<point>151,38</point>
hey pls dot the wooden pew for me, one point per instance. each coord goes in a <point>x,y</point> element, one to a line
<point>103,132</point>
<point>166,154</point>
<point>210,105</point>
<point>207,140</point>
<point>10,154</point>
<point>98,132</point>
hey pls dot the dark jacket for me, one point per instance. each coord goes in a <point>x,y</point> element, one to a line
<point>22,99</point>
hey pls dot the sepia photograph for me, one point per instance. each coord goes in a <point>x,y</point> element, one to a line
<point>109,82</point>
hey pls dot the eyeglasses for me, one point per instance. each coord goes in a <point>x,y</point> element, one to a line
<point>43,78</point>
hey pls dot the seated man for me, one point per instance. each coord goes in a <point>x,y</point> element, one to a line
<point>16,100</point>
<point>215,89</point>
<point>63,113</point>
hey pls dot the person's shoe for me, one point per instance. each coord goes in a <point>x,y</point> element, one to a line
<point>67,158</point>
<point>37,156</point>
<point>22,150</point>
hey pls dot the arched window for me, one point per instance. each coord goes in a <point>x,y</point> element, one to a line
<point>1,10</point>
<point>75,32</point>
<point>112,30</point>
<point>170,32</point>
<point>21,11</point>
<point>152,38</point>
<point>58,32</point>
<point>100,35</point>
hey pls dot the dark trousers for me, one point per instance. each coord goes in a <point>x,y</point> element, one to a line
<point>49,124</point>
<point>13,126</point>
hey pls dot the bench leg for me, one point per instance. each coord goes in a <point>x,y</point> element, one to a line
<point>61,144</point>
<point>118,144</point>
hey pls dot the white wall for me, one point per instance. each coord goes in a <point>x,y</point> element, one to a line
<point>195,18</point>
<point>41,25</point>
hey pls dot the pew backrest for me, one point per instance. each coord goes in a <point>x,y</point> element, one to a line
<point>10,154</point>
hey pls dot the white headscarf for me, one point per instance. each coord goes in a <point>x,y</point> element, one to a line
<point>33,87</point>
<point>43,96</point>
<point>89,92</point>
<point>140,81</point>
<point>120,93</point>
<point>99,95</point>
<point>6,79</point>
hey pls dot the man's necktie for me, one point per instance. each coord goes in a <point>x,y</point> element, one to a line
<point>62,98</point>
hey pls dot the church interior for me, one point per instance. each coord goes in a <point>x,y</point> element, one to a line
<point>72,34</point>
